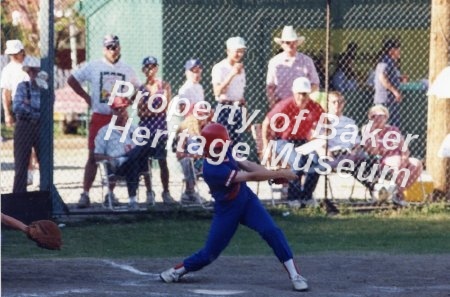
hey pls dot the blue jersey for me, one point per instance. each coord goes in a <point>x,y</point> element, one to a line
<point>220,178</point>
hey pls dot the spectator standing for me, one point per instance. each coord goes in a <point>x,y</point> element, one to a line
<point>387,81</point>
<point>101,75</point>
<point>344,78</point>
<point>192,89</point>
<point>156,121</point>
<point>228,80</point>
<point>295,135</point>
<point>12,75</point>
<point>288,65</point>
<point>26,107</point>
<point>191,164</point>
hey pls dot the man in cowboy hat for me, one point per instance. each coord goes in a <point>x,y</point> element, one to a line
<point>288,65</point>
<point>26,107</point>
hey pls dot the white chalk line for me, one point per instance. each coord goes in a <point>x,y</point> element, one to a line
<point>131,269</point>
<point>217,292</point>
<point>51,294</point>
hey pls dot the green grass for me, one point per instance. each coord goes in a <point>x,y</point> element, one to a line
<point>308,232</point>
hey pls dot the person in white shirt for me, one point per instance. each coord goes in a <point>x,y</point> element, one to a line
<point>228,80</point>
<point>192,89</point>
<point>12,75</point>
<point>288,65</point>
<point>124,157</point>
<point>101,75</point>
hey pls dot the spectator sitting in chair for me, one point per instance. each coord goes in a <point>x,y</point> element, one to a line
<point>339,147</point>
<point>125,158</point>
<point>191,163</point>
<point>392,153</point>
<point>296,135</point>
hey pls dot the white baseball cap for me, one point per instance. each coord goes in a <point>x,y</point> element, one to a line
<point>234,43</point>
<point>13,47</point>
<point>301,85</point>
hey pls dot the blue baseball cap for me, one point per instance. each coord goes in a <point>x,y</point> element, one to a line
<point>150,60</point>
<point>110,39</point>
<point>192,63</point>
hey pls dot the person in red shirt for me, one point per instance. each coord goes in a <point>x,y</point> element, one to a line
<point>291,122</point>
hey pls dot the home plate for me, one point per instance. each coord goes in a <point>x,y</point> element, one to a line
<point>217,292</point>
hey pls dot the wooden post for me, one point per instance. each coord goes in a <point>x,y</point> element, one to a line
<point>438,109</point>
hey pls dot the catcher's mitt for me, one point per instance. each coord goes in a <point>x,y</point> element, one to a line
<point>46,234</point>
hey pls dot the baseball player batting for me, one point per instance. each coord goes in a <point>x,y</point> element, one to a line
<point>235,204</point>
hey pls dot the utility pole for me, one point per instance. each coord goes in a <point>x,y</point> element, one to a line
<point>438,109</point>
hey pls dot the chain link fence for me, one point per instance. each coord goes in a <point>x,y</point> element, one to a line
<point>175,31</point>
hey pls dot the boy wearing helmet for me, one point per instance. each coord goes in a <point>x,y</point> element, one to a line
<point>235,203</point>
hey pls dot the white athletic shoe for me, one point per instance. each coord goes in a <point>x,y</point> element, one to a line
<point>299,283</point>
<point>170,276</point>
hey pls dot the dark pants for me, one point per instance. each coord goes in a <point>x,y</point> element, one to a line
<point>232,124</point>
<point>136,164</point>
<point>26,137</point>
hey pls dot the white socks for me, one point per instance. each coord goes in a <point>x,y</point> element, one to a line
<point>133,199</point>
<point>290,267</point>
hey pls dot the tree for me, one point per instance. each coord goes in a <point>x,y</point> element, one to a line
<point>438,109</point>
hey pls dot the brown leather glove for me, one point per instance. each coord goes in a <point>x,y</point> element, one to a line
<point>46,234</point>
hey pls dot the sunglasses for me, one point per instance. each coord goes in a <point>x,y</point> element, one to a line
<point>288,42</point>
<point>112,47</point>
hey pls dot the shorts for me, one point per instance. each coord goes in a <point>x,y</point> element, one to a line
<point>98,120</point>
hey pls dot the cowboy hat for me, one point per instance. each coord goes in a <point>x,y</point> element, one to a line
<point>289,34</point>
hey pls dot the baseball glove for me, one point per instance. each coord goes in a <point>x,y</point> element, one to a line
<point>46,234</point>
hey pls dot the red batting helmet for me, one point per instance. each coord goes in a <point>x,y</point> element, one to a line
<point>214,131</point>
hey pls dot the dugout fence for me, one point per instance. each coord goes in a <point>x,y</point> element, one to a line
<point>176,30</point>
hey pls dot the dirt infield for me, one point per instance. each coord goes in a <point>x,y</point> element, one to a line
<point>330,275</point>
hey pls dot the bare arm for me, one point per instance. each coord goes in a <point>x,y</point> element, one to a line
<point>13,223</point>
<point>259,173</point>
<point>7,101</point>
<point>75,85</point>
<point>387,84</point>
<point>270,92</point>
<point>265,129</point>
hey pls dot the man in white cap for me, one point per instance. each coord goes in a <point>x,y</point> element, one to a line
<point>101,75</point>
<point>228,79</point>
<point>12,75</point>
<point>285,67</point>
<point>26,107</point>
<point>296,132</point>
